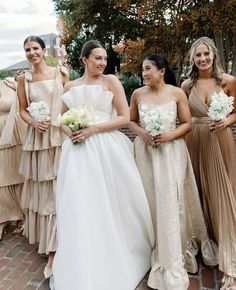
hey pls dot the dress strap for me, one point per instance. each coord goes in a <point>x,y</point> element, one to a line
<point>57,93</point>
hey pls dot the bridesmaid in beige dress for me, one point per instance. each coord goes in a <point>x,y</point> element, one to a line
<point>10,152</point>
<point>41,148</point>
<point>213,153</point>
<point>168,180</point>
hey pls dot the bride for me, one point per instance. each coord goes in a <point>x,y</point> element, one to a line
<point>105,232</point>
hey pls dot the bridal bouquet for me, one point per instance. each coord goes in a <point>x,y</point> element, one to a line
<point>39,111</point>
<point>157,121</point>
<point>77,119</point>
<point>220,107</point>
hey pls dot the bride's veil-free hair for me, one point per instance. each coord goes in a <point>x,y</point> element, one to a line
<point>88,47</point>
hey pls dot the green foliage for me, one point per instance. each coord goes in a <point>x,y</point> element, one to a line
<point>6,73</point>
<point>167,27</point>
<point>51,61</point>
<point>130,83</point>
<point>74,74</point>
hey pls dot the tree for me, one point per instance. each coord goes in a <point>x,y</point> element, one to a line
<point>165,27</point>
<point>6,73</point>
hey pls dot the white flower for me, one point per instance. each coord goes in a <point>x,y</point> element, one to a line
<point>220,107</point>
<point>77,119</point>
<point>157,121</point>
<point>39,111</point>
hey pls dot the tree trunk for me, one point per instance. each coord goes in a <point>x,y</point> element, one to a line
<point>219,44</point>
<point>233,71</point>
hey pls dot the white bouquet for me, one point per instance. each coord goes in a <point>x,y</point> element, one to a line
<point>220,107</point>
<point>157,121</point>
<point>39,111</point>
<point>77,119</point>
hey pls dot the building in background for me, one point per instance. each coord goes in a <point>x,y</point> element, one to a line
<point>54,52</point>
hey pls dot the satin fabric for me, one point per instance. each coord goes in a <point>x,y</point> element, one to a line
<point>170,186</point>
<point>105,232</point>
<point>213,157</point>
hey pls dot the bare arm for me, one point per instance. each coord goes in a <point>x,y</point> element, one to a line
<point>231,91</point>
<point>134,121</point>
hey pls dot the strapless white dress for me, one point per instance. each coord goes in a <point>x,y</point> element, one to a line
<point>105,231</point>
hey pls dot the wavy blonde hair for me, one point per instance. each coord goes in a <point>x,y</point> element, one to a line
<point>217,71</point>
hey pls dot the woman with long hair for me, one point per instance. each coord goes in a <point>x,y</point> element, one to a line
<point>212,150</point>
<point>41,147</point>
<point>165,168</point>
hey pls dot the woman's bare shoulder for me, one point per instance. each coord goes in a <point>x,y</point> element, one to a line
<point>72,84</point>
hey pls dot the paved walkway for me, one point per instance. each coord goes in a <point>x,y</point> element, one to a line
<point>21,268</point>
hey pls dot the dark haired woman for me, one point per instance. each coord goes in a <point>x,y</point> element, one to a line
<point>41,148</point>
<point>166,172</point>
<point>213,154</point>
<point>105,232</point>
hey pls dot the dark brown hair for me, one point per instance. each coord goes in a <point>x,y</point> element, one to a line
<point>35,39</point>
<point>161,62</point>
<point>88,47</point>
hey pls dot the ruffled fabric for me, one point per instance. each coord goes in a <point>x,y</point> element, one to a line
<point>41,229</point>
<point>9,203</point>
<point>39,165</point>
<point>209,252</point>
<point>228,283</point>
<point>10,152</point>
<point>173,277</point>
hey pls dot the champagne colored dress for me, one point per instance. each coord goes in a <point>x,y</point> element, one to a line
<point>105,231</point>
<point>10,180</point>
<point>214,162</point>
<point>39,165</point>
<point>171,189</point>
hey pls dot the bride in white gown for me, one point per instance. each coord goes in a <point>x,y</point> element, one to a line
<point>105,232</point>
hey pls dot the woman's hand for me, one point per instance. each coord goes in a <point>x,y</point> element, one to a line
<point>41,126</point>
<point>218,125</point>
<point>162,138</point>
<point>82,134</point>
<point>146,137</point>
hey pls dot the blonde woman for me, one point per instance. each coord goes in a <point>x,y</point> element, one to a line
<point>213,153</point>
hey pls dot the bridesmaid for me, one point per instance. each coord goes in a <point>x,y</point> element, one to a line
<point>10,151</point>
<point>41,148</point>
<point>168,180</point>
<point>213,154</point>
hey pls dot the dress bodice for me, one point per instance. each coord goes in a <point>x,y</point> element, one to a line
<point>7,96</point>
<point>169,106</point>
<point>91,95</point>
<point>197,107</point>
<point>41,91</point>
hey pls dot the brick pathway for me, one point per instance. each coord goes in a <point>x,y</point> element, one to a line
<point>21,268</point>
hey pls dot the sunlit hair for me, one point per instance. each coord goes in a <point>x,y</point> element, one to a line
<point>217,71</point>
<point>161,62</point>
<point>35,39</point>
<point>88,47</point>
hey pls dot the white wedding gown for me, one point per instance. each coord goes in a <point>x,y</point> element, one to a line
<point>105,232</point>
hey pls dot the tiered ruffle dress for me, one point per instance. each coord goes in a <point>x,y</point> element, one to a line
<point>170,186</point>
<point>213,157</point>
<point>10,180</point>
<point>39,165</point>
